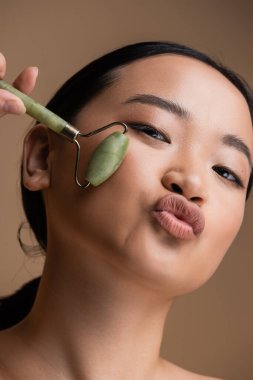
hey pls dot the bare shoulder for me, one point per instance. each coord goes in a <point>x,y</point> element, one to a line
<point>173,371</point>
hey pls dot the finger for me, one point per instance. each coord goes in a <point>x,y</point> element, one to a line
<point>9,103</point>
<point>26,80</point>
<point>2,65</point>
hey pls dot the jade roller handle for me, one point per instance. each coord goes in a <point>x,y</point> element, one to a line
<point>42,114</point>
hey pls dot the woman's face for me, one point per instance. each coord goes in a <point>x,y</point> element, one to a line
<point>196,151</point>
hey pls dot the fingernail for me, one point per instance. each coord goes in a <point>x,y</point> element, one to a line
<point>36,70</point>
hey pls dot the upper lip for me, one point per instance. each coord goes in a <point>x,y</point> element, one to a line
<point>184,210</point>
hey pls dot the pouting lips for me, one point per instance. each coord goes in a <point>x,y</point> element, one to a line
<point>179,217</point>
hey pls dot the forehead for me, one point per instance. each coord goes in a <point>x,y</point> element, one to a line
<point>179,76</point>
<point>205,92</point>
<point>177,73</point>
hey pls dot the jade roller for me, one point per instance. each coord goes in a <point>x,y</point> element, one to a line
<point>106,158</point>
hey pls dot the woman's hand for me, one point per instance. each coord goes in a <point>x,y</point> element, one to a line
<point>25,82</point>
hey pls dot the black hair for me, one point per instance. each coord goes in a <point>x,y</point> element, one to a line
<point>15,307</point>
<point>91,80</point>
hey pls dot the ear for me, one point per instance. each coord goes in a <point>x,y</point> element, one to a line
<point>36,173</point>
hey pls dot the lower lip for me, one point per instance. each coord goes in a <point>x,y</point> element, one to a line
<point>174,226</point>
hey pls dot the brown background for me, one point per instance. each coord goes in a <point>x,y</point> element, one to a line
<point>210,330</point>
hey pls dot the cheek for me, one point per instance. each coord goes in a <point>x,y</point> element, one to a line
<point>100,215</point>
<point>223,225</point>
<point>227,221</point>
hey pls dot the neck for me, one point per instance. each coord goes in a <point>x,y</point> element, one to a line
<point>93,322</point>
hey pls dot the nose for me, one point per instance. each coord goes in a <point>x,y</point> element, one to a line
<point>186,181</point>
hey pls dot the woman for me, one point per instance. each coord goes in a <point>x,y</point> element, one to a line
<point>117,255</point>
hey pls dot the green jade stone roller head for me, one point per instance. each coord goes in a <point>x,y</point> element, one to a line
<point>106,158</point>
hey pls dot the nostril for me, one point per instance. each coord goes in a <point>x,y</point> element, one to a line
<point>177,189</point>
<point>197,200</point>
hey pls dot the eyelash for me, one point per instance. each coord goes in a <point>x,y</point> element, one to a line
<point>150,131</point>
<point>220,170</point>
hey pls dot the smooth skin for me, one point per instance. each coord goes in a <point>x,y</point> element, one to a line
<point>111,272</point>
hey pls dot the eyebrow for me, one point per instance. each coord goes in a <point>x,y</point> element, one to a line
<point>237,143</point>
<point>167,105</point>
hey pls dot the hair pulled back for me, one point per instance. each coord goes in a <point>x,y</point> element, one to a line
<point>89,82</point>
<point>67,102</point>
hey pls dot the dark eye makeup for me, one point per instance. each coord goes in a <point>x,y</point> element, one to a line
<point>229,175</point>
<point>150,131</point>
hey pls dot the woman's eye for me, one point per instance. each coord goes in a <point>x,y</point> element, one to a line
<point>150,131</point>
<point>228,174</point>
